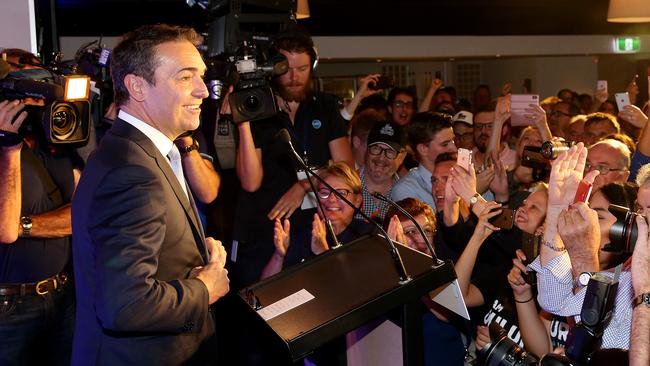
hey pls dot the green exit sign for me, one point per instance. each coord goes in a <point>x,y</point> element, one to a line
<point>627,44</point>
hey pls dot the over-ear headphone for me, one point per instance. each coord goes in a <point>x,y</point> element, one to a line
<point>294,38</point>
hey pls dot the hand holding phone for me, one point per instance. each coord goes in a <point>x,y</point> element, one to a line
<point>622,99</point>
<point>583,193</point>
<point>464,158</point>
<point>601,85</point>
<point>504,220</point>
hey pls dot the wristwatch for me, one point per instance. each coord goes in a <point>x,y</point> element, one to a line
<point>189,148</point>
<point>473,200</point>
<point>642,299</point>
<point>26,225</point>
<point>583,279</point>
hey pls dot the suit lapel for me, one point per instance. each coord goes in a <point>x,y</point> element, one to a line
<point>126,130</point>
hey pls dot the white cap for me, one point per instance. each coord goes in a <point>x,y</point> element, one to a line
<point>465,117</point>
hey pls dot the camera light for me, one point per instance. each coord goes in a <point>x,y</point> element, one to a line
<point>77,87</point>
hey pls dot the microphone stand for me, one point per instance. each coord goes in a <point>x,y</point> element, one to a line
<point>397,259</point>
<point>380,196</point>
<point>328,222</point>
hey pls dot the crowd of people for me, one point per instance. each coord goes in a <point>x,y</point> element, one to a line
<point>105,259</point>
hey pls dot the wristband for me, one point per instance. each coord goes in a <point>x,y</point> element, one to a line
<point>9,139</point>
<point>548,244</point>
<point>523,302</point>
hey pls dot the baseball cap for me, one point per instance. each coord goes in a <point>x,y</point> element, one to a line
<point>388,133</point>
<point>464,117</point>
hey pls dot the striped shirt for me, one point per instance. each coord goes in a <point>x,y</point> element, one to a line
<point>555,285</point>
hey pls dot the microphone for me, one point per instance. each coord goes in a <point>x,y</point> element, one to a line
<point>283,136</point>
<point>380,196</point>
<point>33,88</point>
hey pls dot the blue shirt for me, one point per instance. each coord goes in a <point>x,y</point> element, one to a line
<point>415,184</point>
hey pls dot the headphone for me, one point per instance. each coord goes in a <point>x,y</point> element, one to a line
<point>298,37</point>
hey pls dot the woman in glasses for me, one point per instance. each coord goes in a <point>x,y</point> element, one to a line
<point>295,246</point>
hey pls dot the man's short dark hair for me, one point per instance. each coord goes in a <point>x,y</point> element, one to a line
<point>136,54</point>
<point>400,90</point>
<point>296,40</point>
<point>424,126</point>
<point>573,109</point>
<point>446,157</point>
<point>599,117</point>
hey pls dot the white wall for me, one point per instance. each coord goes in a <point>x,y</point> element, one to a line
<point>18,25</point>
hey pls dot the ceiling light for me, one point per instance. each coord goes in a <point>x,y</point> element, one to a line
<point>628,11</point>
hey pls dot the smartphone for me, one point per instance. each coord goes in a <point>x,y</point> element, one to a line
<point>530,246</point>
<point>583,192</point>
<point>438,75</point>
<point>622,99</point>
<point>601,85</point>
<point>383,82</point>
<point>504,220</point>
<point>464,158</point>
<point>518,105</point>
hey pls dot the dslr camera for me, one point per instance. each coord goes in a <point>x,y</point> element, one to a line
<point>624,232</point>
<point>60,112</point>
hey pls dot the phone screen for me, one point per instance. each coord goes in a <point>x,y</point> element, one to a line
<point>518,105</point>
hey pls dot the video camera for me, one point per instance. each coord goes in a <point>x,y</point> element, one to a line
<point>237,54</point>
<point>539,158</point>
<point>58,109</point>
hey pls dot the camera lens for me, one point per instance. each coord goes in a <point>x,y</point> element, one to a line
<point>504,352</point>
<point>252,103</point>
<point>64,121</point>
<point>624,232</point>
<point>552,149</point>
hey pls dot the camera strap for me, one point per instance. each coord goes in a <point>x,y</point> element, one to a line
<point>53,191</point>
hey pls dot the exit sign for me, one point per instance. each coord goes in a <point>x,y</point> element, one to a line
<point>627,44</point>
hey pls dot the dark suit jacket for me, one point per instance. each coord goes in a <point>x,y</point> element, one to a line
<point>136,238</point>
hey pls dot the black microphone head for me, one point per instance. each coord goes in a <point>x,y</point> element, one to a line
<point>283,136</point>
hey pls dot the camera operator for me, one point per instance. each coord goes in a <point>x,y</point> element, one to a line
<point>571,246</point>
<point>36,296</point>
<point>271,188</point>
<point>640,339</point>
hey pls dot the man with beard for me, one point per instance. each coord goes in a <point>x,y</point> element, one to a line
<point>485,124</point>
<point>271,188</point>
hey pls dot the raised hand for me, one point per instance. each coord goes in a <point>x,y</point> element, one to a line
<point>634,115</point>
<point>396,231</point>
<point>8,111</point>
<point>566,173</point>
<point>318,236</point>
<point>463,181</point>
<point>288,203</point>
<point>281,234</point>
<point>521,289</point>
<point>483,227</point>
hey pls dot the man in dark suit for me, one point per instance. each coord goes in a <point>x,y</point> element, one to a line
<point>145,273</point>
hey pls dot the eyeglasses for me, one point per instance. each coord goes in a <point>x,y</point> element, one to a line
<point>480,126</point>
<point>414,233</point>
<point>557,113</point>
<point>603,169</point>
<point>388,151</point>
<point>464,136</point>
<point>326,193</point>
<point>400,104</point>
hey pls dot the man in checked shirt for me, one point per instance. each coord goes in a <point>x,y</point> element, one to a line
<point>571,244</point>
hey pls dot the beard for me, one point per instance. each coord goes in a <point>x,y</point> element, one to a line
<point>294,94</point>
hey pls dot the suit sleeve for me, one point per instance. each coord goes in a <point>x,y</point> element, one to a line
<point>127,228</point>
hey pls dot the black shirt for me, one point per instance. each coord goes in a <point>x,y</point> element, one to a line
<point>34,259</point>
<point>317,122</point>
